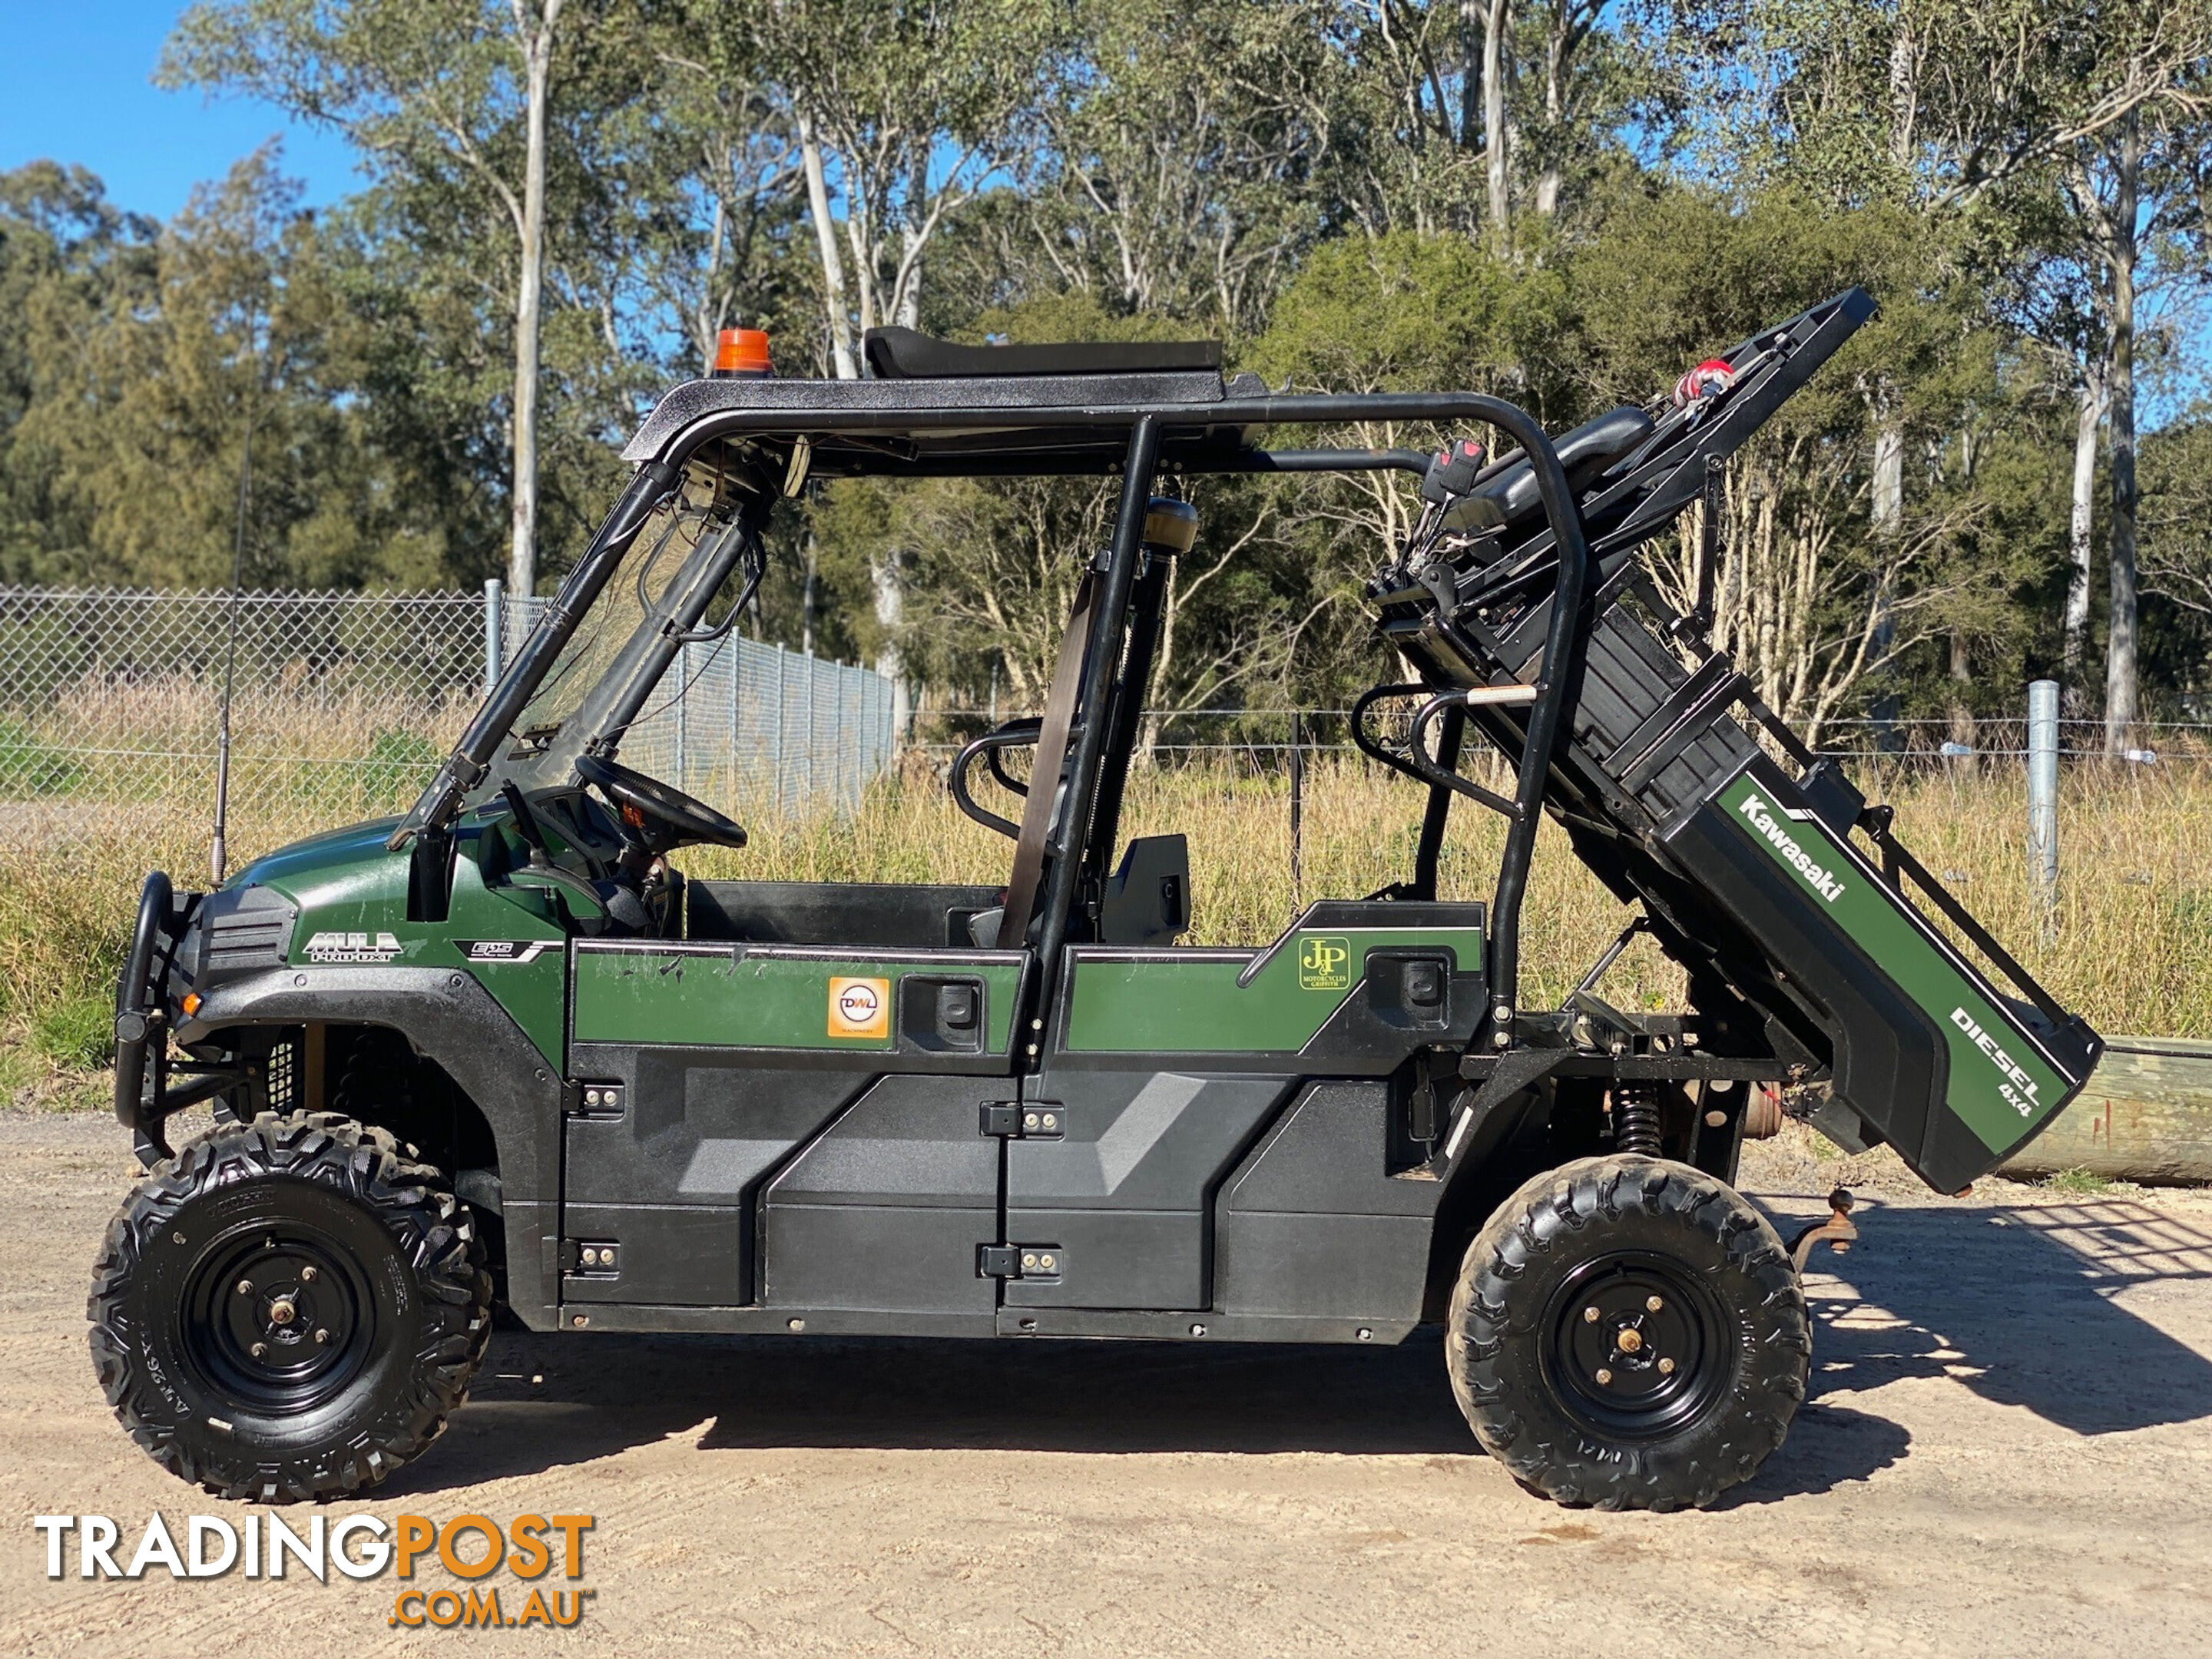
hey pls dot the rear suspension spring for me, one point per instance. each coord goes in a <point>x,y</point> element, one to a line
<point>1635,1118</point>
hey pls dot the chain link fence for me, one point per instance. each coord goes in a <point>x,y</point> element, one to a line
<point>343,703</point>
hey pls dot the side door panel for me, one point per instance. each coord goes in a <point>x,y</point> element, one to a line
<point>703,1072</point>
<point>1123,1198</point>
<point>884,1210</point>
<point>1165,1066</point>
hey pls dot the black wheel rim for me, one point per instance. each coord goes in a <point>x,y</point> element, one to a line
<point>1638,1348</point>
<point>279,1318</point>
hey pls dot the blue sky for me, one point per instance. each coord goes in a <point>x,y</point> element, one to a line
<point>77,85</point>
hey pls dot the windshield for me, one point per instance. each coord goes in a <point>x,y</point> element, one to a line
<point>662,550</point>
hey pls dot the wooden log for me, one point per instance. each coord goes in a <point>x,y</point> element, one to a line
<point>2146,1116</point>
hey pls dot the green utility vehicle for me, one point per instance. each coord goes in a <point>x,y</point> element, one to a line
<point>502,1053</point>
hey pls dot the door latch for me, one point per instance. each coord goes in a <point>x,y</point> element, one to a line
<point>1039,1119</point>
<point>1029,1262</point>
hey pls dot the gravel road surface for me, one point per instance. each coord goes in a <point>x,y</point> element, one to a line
<point>2008,1448</point>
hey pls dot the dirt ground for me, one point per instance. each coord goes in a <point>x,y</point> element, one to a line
<point>2009,1447</point>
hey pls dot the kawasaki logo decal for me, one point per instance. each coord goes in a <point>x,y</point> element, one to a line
<point>1817,876</point>
<point>352,947</point>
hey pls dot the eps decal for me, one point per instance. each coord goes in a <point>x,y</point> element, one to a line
<point>494,950</point>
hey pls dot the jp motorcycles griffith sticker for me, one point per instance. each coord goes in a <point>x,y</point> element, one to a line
<point>491,950</point>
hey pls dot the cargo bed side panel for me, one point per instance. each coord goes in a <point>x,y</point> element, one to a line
<point>1926,1050</point>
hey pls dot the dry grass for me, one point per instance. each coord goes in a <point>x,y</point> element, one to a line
<point>2129,948</point>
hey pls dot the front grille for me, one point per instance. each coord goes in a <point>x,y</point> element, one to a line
<point>244,930</point>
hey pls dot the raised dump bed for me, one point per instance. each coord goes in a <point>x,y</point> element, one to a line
<point>1759,867</point>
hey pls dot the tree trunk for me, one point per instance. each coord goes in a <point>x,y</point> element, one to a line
<point>809,597</point>
<point>890,612</point>
<point>2122,691</point>
<point>1556,48</point>
<point>529,299</point>
<point>2076,635</point>
<point>1497,20</point>
<point>825,239</point>
<point>912,236</point>
<point>1962,677</point>
<point>1889,513</point>
<point>1470,74</point>
<point>1903,94</point>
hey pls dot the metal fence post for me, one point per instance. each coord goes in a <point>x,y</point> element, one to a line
<point>779,767</point>
<point>2043,799</point>
<point>495,629</point>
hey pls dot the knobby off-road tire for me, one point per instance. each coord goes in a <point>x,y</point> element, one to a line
<point>290,1308</point>
<point>1629,1333</point>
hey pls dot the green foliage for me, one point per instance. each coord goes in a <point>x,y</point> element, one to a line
<point>2080,1183</point>
<point>79,1032</point>
<point>1312,181</point>
<point>29,767</point>
<point>398,759</point>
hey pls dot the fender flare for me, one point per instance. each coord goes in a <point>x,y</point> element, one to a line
<point>447,1016</point>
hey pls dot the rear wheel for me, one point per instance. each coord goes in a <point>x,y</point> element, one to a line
<point>1628,1332</point>
<point>289,1309</point>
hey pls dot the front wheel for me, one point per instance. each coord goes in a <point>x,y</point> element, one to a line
<point>289,1309</point>
<point>1629,1334</point>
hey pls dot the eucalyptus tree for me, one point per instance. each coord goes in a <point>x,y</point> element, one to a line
<point>472,105</point>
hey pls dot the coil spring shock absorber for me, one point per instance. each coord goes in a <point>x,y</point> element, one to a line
<point>1635,1118</point>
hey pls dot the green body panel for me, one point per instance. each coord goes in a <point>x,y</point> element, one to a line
<point>1998,1082</point>
<point>1179,1003</point>
<point>760,997</point>
<point>352,896</point>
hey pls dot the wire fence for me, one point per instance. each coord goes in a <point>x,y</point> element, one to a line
<point>343,703</point>
<point>1264,738</point>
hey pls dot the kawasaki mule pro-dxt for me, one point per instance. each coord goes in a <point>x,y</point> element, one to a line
<point>502,1051</point>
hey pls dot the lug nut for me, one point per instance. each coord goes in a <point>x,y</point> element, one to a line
<point>321,1335</point>
<point>1666,1368</point>
<point>246,1287</point>
<point>259,1350</point>
<point>307,1275</point>
<point>1604,1376</point>
<point>1589,1315</point>
<point>1652,1305</point>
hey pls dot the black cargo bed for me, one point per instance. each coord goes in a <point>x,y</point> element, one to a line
<point>1772,884</point>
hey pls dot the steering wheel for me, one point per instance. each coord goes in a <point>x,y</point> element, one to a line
<point>654,816</point>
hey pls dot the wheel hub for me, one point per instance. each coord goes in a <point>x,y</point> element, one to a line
<point>1637,1347</point>
<point>278,1322</point>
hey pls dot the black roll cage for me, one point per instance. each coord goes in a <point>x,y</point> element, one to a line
<point>1198,435</point>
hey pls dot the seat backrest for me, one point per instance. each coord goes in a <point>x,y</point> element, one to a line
<point>1585,453</point>
<point>1147,898</point>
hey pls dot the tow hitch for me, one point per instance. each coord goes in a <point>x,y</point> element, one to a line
<point>1836,1232</point>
